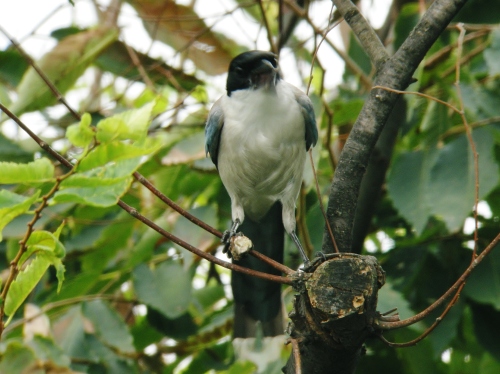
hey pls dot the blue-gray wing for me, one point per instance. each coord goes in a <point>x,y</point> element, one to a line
<point>213,130</point>
<point>309,118</point>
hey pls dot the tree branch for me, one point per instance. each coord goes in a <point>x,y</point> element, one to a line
<point>364,32</point>
<point>396,73</point>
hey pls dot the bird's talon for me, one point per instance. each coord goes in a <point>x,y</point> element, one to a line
<point>321,255</point>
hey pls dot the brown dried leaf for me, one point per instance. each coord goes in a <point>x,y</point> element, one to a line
<point>181,28</point>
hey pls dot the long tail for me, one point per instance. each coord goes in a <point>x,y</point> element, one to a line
<point>257,299</point>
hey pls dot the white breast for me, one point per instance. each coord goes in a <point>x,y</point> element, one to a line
<point>262,150</point>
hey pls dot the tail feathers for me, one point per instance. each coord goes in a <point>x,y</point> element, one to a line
<point>258,299</point>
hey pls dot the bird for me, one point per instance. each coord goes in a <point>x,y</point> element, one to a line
<point>258,135</point>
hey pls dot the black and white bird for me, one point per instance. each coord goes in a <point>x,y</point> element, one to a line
<point>258,135</point>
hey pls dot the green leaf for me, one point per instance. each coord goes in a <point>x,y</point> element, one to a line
<point>483,286</point>
<point>25,282</point>
<point>81,134</point>
<point>492,54</point>
<point>452,184</point>
<point>479,11</point>
<point>207,296</point>
<point>102,186</point>
<point>408,186</point>
<point>435,122</point>
<point>17,358</point>
<point>46,350</point>
<point>117,60</point>
<point>43,241</point>
<point>179,328</point>
<point>108,326</point>
<point>13,205</point>
<point>132,124</point>
<point>489,365</point>
<point>63,65</point>
<point>486,325</point>
<point>71,337</point>
<point>407,20</point>
<point>167,288</point>
<point>13,64</point>
<point>346,111</point>
<point>99,196</point>
<point>10,151</point>
<point>38,171</point>
<point>441,182</point>
<point>389,298</point>
<point>117,151</point>
<point>241,367</point>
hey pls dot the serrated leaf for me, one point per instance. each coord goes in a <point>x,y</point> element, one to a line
<point>81,134</point>
<point>99,196</point>
<point>38,171</point>
<point>108,326</point>
<point>63,65</point>
<point>167,288</point>
<point>101,186</point>
<point>132,124</point>
<point>116,151</point>
<point>13,205</point>
<point>25,282</point>
<point>43,241</point>
<point>108,174</point>
<point>60,270</point>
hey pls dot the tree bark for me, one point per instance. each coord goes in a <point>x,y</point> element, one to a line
<point>336,304</point>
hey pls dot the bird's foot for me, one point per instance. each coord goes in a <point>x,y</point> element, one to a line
<point>235,243</point>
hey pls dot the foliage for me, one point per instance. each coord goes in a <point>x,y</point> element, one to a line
<point>114,296</point>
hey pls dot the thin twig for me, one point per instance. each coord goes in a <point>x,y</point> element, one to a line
<point>327,223</point>
<point>458,283</point>
<point>468,131</point>
<point>366,35</point>
<point>268,28</point>
<point>45,146</point>
<point>296,356</point>
<point>455,109</point>
<point>56,304</point>
<point>14,269</point>
<point>42,75</point>
<point>133,212</point>
<point>431,328</point>
<point>458,129</point>
<point>137,63</point>
<point>349,62</point>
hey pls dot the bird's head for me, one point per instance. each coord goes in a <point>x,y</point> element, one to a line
<point>252,70</point>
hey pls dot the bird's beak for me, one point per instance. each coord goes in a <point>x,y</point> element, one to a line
<point>265,75</point>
